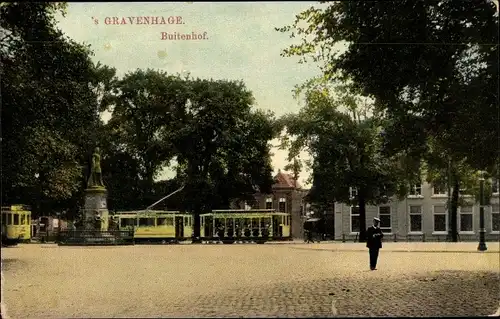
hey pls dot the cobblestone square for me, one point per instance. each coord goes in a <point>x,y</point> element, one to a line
<point>288,280</point>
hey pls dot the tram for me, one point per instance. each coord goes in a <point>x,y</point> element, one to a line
<point>240,225</point>
<point>16,224</point>
<point>156,226</point>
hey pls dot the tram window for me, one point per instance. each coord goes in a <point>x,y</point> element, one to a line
<point>186,222</point>
<point>23,219</point>
<point>146,221</point>
<point>125,222</point>
<point>16,219</point>
<point>161,221</point>
<point>169,221</point>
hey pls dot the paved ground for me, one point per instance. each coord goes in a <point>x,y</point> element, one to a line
<point>294,280</point>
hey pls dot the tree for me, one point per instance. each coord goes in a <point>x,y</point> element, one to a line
<point>223,146</point>
<point>49,109</point>
<point>434,63</point>
<point>463,181</point>
<point>347,152</point>
<point>145,108</point>
<point>295,167</point>
<point>121,172</point>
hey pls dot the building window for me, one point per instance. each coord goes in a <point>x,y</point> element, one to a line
<point>495,185</point>
<point>353,192</point>
<point>384,213</point>
<point>355,220</point>
<point>440,224</point>
<point>495,217</point>
<point>416,189</point>
<point>439,189</point>
<point>269,203</point>
<point>282,205</point>
<point>466,218</point>
<point>415,218</point>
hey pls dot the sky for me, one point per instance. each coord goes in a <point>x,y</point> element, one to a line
<point>237,41</point>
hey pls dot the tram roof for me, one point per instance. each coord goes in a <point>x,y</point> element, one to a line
<point>18,207</point>
<point>238,213</point>
<point>244,211</point>
<point>150,212</point>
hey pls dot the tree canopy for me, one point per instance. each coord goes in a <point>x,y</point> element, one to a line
<point>431,66</point>
<point>348,161</point>
<point>49,105</point>
<point>54,96</point>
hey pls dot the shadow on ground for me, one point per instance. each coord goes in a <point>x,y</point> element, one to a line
<point>11,263</point>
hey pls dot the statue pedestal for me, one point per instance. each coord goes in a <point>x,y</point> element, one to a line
<point>95,211</point>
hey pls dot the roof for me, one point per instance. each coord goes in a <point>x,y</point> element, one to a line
<point>285,180</point>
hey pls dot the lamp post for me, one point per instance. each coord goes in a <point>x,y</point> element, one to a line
<point>482,243</point>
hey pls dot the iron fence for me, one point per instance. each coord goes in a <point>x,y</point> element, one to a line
<point>424,238</point>
<point>91,237</point>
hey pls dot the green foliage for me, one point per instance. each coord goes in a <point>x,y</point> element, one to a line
<point>223,145</point>
<point>52,99</point>
<point>295,167</point>
<point>347,150</point>
<point>429,63</point>
<point>49,111</point>
<point>146,108</point>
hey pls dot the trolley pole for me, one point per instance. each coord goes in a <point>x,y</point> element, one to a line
<point>482,230</point>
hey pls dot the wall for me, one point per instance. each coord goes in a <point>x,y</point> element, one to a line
<point>400,218</point>
<point>294,200</point>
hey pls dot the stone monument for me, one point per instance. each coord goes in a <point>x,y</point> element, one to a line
<point>95,212</point>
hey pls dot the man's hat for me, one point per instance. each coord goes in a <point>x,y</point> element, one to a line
<point>376,218</point>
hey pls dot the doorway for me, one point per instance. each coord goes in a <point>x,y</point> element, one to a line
<point>179,227</point>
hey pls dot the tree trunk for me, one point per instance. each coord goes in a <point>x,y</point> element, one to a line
<point>196,226</point>
<point>362,219</point>
<point>453,211</point>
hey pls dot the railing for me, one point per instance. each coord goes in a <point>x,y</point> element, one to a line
<point>423,238</point>
<point>91,237</point>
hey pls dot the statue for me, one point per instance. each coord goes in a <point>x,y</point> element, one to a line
<point>95,178</point>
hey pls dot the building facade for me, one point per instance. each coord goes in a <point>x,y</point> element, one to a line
<point>422,216</point>
<point>288,197</point>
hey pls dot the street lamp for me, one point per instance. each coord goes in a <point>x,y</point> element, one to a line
<point>482,243</point>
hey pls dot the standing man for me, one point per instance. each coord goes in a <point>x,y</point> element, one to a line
<point>374,237</point>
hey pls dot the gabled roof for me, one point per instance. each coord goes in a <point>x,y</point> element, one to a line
<point>285,180</point>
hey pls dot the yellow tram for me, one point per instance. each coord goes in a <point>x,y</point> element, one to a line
<point>160,226</point>
<point>256,225</point>
<point>16,224</point>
